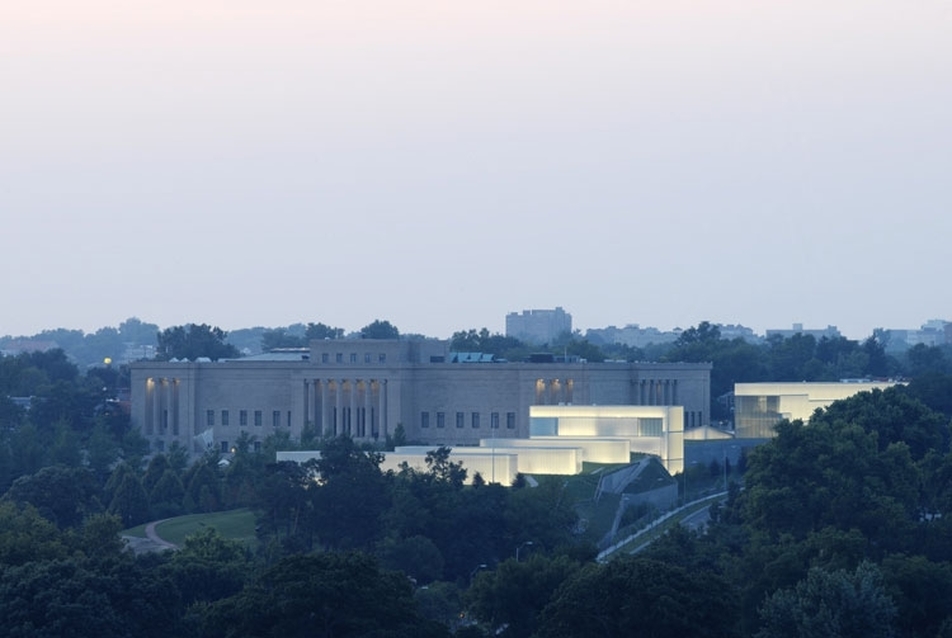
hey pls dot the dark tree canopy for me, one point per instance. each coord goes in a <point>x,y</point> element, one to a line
<point>323,331</point>
<point>379,330</point>
<point>193,341</point>
<point>640,597</point>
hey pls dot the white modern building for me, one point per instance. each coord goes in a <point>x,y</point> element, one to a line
<point>655,430</point>
<point>562,439</point>
<point>758,407</point>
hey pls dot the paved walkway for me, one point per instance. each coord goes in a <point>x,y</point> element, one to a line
<point>152,541</point>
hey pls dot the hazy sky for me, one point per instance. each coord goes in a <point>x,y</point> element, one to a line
<point>440,163</point>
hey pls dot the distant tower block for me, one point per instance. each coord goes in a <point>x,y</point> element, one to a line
<point>538,326</point>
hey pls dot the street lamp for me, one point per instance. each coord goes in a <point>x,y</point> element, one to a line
<point>520,547</point>
<point>732,447</point>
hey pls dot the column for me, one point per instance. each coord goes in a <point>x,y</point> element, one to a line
<point>385,408</point>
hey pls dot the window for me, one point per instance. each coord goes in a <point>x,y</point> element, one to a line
<point>460,418</point>
<point>353,357</point>
<point>210,418</point>
<point>325,358</point>
<point>289,418</point>
<point>650,426</point>
<point>366,357</point>
<point>475,419</point>
<point>382,357</point>
<point>258,418</point>
<point>339,357</point>
<point>224,447</point>
<point>224,417</point>
<point>510,420</point>
<point>276,418</point>
<point>494,420</point>
<point>424,419</point>
<point>257,446</point>
<point>441,419</point>
<point>243,417</point>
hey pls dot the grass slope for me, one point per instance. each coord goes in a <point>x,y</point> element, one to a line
<point>237,525</point>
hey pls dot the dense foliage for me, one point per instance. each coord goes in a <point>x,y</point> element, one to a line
<point>841,528</point>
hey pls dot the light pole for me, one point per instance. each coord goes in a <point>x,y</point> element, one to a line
<point>732,447</point>
<point>520,547</point>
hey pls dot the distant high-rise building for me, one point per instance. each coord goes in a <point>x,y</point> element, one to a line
<point>830,332</point>
<point>538,326</point>
<point>935,332</point>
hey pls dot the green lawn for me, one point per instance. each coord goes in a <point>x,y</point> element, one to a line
<point>238,525</point>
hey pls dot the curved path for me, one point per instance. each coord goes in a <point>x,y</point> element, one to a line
<point>155,538</point>
<point>152,541</point>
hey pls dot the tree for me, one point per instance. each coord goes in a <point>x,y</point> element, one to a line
<point>346,476</point>
<point>640,597</point>
<point>203,491</point>
<point>82,596</point>
<point>922,591</point>
<point>442,469</point>
<point>193,341</point>
<point>26,536</point>
<point>417,556</point>
<point>923,359</point>
<point>166,496</point>
<point>130,501</point>
<point>515,593</point>
<point>830,605</point>
<point>279,338</point>
<point>894,416</point>
<point>322,595</point>
<point>322,331</point>
<point>379,330</point>
<point>63,495</point>
<point>101,451</point>
<point>209,567</point>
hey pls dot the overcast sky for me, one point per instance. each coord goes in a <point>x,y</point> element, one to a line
<point>441,163</point>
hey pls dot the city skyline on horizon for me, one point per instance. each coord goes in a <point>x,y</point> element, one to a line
<point>580,329</point>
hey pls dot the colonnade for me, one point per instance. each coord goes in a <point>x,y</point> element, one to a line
<point>554,391</point>
<point>657,392</point>
<point>355,407</point>
<point>162,405</point>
